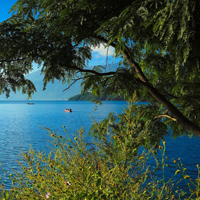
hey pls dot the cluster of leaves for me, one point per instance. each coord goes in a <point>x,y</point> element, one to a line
<point>135,123</point>
<point>14,65</point>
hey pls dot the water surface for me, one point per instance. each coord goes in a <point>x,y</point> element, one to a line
<point>20,128</point>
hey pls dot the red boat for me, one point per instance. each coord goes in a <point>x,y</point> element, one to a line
<point>68,110</point>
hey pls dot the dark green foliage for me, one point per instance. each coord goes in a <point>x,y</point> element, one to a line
<point>137,122</point>
<point>158,42</point>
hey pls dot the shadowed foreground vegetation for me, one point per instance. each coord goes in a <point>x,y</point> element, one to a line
<point>113,165</point>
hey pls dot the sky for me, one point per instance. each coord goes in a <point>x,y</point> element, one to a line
<point>5,6</point>
<point>99,55</point>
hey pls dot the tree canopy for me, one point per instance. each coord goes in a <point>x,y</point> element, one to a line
<point>157,40</point>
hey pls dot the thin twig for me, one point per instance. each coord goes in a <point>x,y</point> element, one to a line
<point>167,116</point>
<point>75,80</point>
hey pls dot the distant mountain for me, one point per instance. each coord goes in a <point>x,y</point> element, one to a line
<point>54,91</point>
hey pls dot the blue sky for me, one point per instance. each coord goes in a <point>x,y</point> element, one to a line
<point>99,55</point>
<point>5,6</point>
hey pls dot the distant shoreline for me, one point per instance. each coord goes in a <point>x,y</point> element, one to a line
<point>37,100</point>
<point>29,101</point>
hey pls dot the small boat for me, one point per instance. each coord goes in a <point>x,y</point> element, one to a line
<point>68,110</point>
<point>30,103</point>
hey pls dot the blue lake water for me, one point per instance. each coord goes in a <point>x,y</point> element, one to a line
<point>20,128</point>
<point>20,124</point>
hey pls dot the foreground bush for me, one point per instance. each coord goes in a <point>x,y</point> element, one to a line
<point>110,165</point>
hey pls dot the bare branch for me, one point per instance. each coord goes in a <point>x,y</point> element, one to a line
<point>167,116</point>
<point>73,83</point>
<point>75,80</point>
<point>91,71</point>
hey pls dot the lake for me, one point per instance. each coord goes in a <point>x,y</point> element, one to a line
<point>20,129</point>
<point>20,124</point>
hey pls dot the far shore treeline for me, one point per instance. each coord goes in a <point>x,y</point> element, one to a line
<point>89,96</point>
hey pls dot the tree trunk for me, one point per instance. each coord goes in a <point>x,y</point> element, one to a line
<point>181,119</point>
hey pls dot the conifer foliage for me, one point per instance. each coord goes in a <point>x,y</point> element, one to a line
<point>157,40</point>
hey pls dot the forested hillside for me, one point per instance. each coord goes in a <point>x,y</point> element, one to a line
<point>89,96</point>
